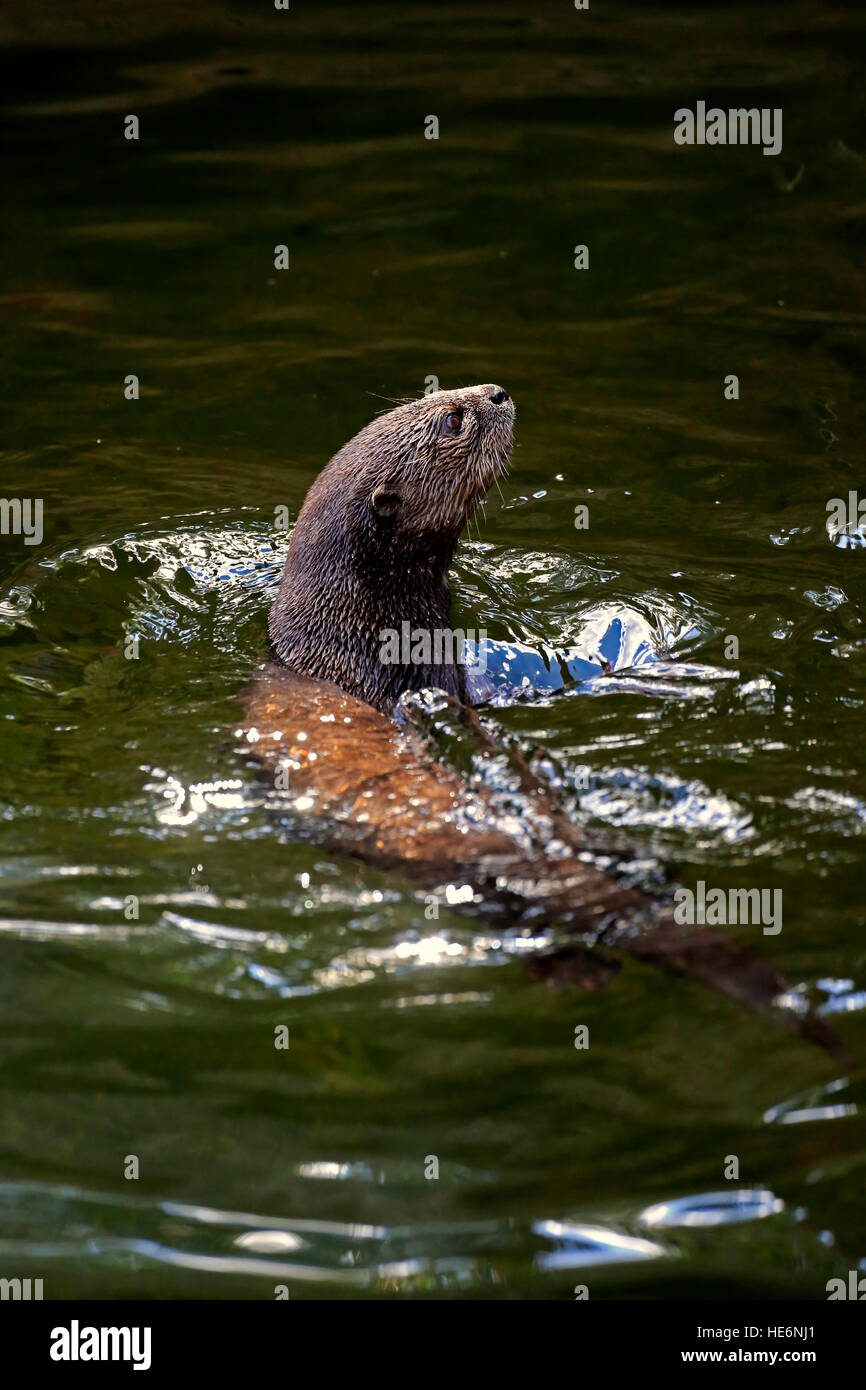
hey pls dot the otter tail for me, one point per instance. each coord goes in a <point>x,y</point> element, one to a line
<point>696,953</point>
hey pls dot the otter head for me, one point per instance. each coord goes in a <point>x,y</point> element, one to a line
<point>435,459</point>
<point>376,535</point>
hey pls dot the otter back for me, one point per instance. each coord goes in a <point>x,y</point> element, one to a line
<point>368,788</point>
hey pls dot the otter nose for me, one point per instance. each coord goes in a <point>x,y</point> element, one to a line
<point>497,395</point>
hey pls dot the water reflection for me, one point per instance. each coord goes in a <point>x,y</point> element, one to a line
<point>713,1208</point>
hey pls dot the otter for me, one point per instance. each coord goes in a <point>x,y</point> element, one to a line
<point>346,734</point>
<point>375,539</point>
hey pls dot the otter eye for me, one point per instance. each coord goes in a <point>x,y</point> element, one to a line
<point>452,422</point>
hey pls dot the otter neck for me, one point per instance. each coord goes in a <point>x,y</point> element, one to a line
<point>376,624</point>
<point>398,636</point>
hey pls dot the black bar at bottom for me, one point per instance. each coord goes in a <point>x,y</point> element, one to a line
<point>80,1339</point>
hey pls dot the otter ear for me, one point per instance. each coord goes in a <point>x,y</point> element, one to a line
<point>385,501</point>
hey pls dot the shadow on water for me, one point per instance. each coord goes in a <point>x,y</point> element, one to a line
<point>156,928</point>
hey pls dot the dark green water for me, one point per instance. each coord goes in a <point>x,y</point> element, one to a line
<point>409,258</point>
